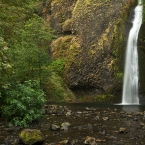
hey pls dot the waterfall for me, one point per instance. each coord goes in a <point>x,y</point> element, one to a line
<point>131,74</point>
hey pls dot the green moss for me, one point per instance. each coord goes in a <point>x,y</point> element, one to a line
<point>57,90</point>
<point>54,2</point>
<point>87,2</point>
<point>66,48</point>
<point>30,137</point>
<point>104,98</point>
<point>118,40</point>
<point>63,18</point>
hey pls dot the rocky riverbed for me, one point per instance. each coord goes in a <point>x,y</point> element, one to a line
<point>79,124</point>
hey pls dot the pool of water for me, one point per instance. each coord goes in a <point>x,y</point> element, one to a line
<point>100,121</point>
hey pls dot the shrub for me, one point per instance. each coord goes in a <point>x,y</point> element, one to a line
<point>23,103</point>
<point>57,66</point>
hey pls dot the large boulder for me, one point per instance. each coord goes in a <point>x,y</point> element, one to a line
<point>31,137</point>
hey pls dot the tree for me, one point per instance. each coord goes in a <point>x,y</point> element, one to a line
<point>5,66</point>
<point>25,62</point>
<point>30,51</point>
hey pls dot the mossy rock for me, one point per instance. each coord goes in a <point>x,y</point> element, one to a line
<point>66,27</point>
<point>31,137</point>
<point>103,98</point>
<point>57,91</point>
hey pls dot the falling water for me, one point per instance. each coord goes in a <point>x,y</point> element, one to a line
<point>131,74</point>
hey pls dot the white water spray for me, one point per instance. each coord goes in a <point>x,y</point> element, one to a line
<point>131,74</point>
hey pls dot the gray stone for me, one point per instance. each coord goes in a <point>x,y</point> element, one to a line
<point>54,127</point>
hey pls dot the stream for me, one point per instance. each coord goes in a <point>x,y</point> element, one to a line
<point>92,124</point>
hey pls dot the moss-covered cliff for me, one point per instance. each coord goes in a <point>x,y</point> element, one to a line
<point>91,39</point>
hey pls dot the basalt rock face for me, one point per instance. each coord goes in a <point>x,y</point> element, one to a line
<point>92,39</point>
<point>141,53</point>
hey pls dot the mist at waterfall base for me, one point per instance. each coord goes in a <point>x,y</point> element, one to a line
<point>131,73</point>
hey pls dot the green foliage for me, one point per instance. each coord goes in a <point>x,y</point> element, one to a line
<point>23,103</point>
<point>118,40</point>
<point>57,91</point>
<point>104,98</point>
<point>5,66</point>
<point>143,10</point>
<point>57,66</point>
<point>24,55</point>
<point>30,51</point>
<point>28,37</point>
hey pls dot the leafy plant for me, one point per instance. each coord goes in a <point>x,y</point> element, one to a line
<point>23,103</point>
<point>57,66</point>
<point>5,66</point>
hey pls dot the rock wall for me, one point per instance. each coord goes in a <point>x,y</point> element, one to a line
<point>141,53</point>
<point>91,39</point>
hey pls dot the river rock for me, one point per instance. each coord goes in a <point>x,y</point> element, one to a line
<point>90,141</point>
<point>63,142</point>
<point>31,137</point>
<point>54,127</point>
<point>97,118</point>
<point>122,130</point>
<point>139,113</point>
<point>65,126</point>
<point>68,113</point>
<point>105,118</point>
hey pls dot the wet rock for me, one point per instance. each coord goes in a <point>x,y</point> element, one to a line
<point>85,112</point>
<point>49,112</point>
<point>45,106</point>
<point>54,127</point>
<point>122,130</point>
<point>129,116</point>
<point>135,119</point>
<point>80,127</point>
<point>122,112</point>
<point>68,113</point>
<point>97,118</point>
<point>123,116</point>
<point>65,126</point>
<point>59,112</point>
<point>129,113</point>
<point>53,106</point>
<point>142,124</point>
<point>103,132</point>
<point>112,137</point>
<point>100,140</point>
<point>73,142</point>
<point>90,126</point>
<point>139,113</point>
<point>90,109</point>
<point>63,142</point>
<point>79,112</point>
<point>90,141</point>
<point>31,137</point>
<point>105,118</point>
